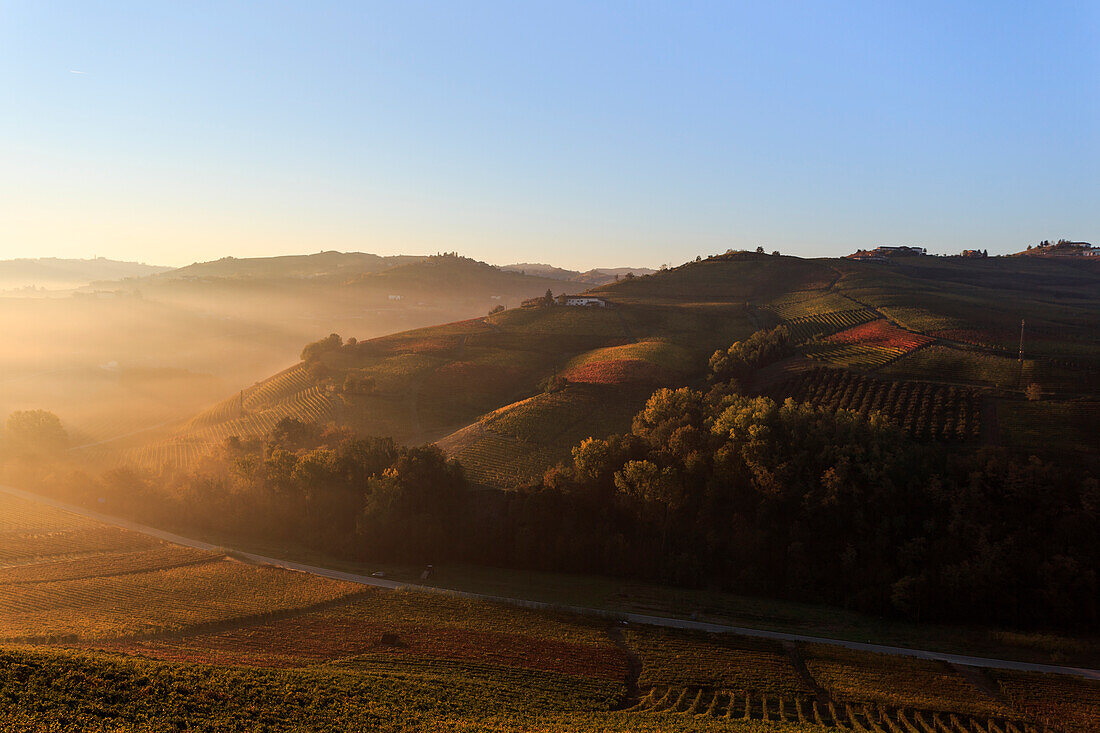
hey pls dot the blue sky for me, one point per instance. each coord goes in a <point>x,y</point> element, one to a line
<point>583,134</point>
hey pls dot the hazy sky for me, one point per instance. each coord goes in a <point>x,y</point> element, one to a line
<point>579,133</point>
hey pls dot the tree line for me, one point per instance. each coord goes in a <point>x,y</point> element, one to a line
<point>709,488</point>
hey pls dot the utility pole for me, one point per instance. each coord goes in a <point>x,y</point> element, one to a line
<point>1021,353</point>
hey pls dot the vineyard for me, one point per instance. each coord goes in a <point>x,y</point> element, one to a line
<point>857,356</point>
<point>312,403</point>
<point>700,703</point>
<point>923,409</point>
<point>426,627</point>
<point>62,575</point>
<point>950,364</point>
<point>154,601</point>
<point>175,453</point>
<point>1048,424</point>
<point>733,678</point>
<point>881,333</point>
<point>516,444</point>
<point>859,677</point>
<point>804,328</point>
<point>1065,703</point>
<point>159,611</point>
<point>648,362</point>
<point>724,661</point>
<point>869,345</point>
<point>808,303</point>
<point>31,532</point>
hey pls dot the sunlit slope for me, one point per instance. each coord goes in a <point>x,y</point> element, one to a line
<point>65,576</point>
<point>513,446</point>
<point>901,323</point>
<point>427,383</point>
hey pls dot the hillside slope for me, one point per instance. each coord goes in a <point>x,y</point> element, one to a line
<point>53,273</point>
<point>931,341</point>
<point>290,266</point>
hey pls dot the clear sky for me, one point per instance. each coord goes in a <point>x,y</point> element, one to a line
<point>579,133</point>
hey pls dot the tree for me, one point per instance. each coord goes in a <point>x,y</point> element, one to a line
<point>554,383</point>
<point>37,428</point>
<point>759,250</point>
<point>496,309</point>
<point>292,433</point>
<point>313,352</point>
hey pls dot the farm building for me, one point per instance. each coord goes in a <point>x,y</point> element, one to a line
<point>582,300</point>
<point>883,253</point>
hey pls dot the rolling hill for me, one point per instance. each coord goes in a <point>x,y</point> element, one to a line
<point>591,277</point>
<point>321,264</point>
<point>51,273</point>
<point>931,341</point>
<point>224,326</point>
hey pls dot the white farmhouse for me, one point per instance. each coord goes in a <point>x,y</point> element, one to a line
<point>584,300</point>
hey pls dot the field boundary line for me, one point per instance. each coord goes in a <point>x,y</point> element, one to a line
<point>635,618</point>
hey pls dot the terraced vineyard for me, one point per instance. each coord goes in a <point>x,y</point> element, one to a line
<point>805,303</point>
<point>804,328</point>
<point>312,403</point>
<point>174,453</point>
<point>857,356</point>
<point>924,409</point>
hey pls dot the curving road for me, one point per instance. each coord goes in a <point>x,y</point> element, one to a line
<point>636,618</point>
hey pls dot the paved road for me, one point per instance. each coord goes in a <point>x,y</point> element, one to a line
<point>636,618</point>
